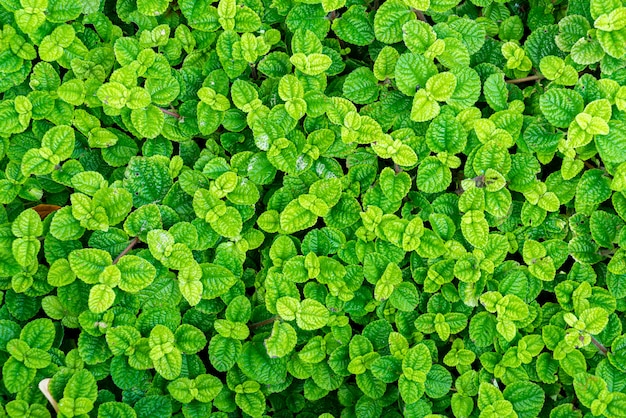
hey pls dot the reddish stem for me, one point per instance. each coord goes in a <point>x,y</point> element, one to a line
<point>420,15</point>
<point>589,165</point>
<point>126,250</point>
<point>599,346</point>
<point>264,322</point>
<point>526,79</point>
<point>170,112</point>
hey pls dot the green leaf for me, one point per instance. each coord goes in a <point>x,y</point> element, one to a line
<point>60,273</point>
<point>89,215</point>
<point>424,108</point>
<point>312,315</point>
<point>446,134</point>
<point>229,224</point>
<point>122,338</point>
<point>441,86</point>
<point>354,26</point>
<point>361,86</point>
<point>417,363</point>
<point>101,298</point>
<point>89,263</point>
<point>223,352</point>
<point>296,218</point>
<point>612,146</point>
<point>152,7</point>
<point>148,121</point>
<point>201,16</point>
<point>433,176</point>
<point>593,189</point>
<point>206,387</point>
<point>554,68</point>
<point>412,71</point>
<point>27,224</point>
<point>595,319</point>
<point>189,339</point>
<point>216,280</point>
<point>138,97</point>
<point>527,398</point>
<point>483,329</point>
<point>164,248</point>
<point>287,307</point>
<point>81,384</point>
<point>256,363</point>
<point>600,7</point>
<point>147,179</point>
<point>312,64</point>
<point>611,33</point>
<point>475,228</point>
<point>389,19</point>
<point>281,341</point>
<point>143,220</point>
<point>385,64</point>
<point>560,106</point>
<point>495,92</point>
<point>190,285</point>
<point>162,91</point>
<point>16,376</point>
<point>231,329</point>
<point>167,359</point>
<point>72,92</point>
<point>588,387</point>
<point>113,94</point>
<point>418,36</point>
<point>116,203</point>
<point>137,273</point>
<point>385,286</point>
<point>116,409</point>
<point>251,403</point>
<point>367,210</point>
<point>25,250</point>
<point>438,382</point>
<point>39,334</point>
<point>290,87</point>
<point>243,95</point>
<point>394,186</point>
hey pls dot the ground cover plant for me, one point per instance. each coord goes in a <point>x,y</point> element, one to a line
<point>344,208</point>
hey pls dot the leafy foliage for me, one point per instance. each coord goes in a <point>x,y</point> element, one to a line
<point>319,208</point>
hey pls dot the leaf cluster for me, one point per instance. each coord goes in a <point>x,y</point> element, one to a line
<point>313,208</point>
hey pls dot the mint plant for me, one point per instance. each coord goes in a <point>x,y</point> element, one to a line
<point>312,208</point>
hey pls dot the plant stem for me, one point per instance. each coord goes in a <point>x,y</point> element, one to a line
<point>170,112</point>
<point>606,252</point>
<point>264,322</point>
<point>589,165</point>
<point>126,250</point>
<point>420,15</point>
<point>599,345</point>
<point>526,79</point>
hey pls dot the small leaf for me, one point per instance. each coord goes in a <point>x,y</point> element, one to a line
<point>312,315</point>
<point>281,341</point>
